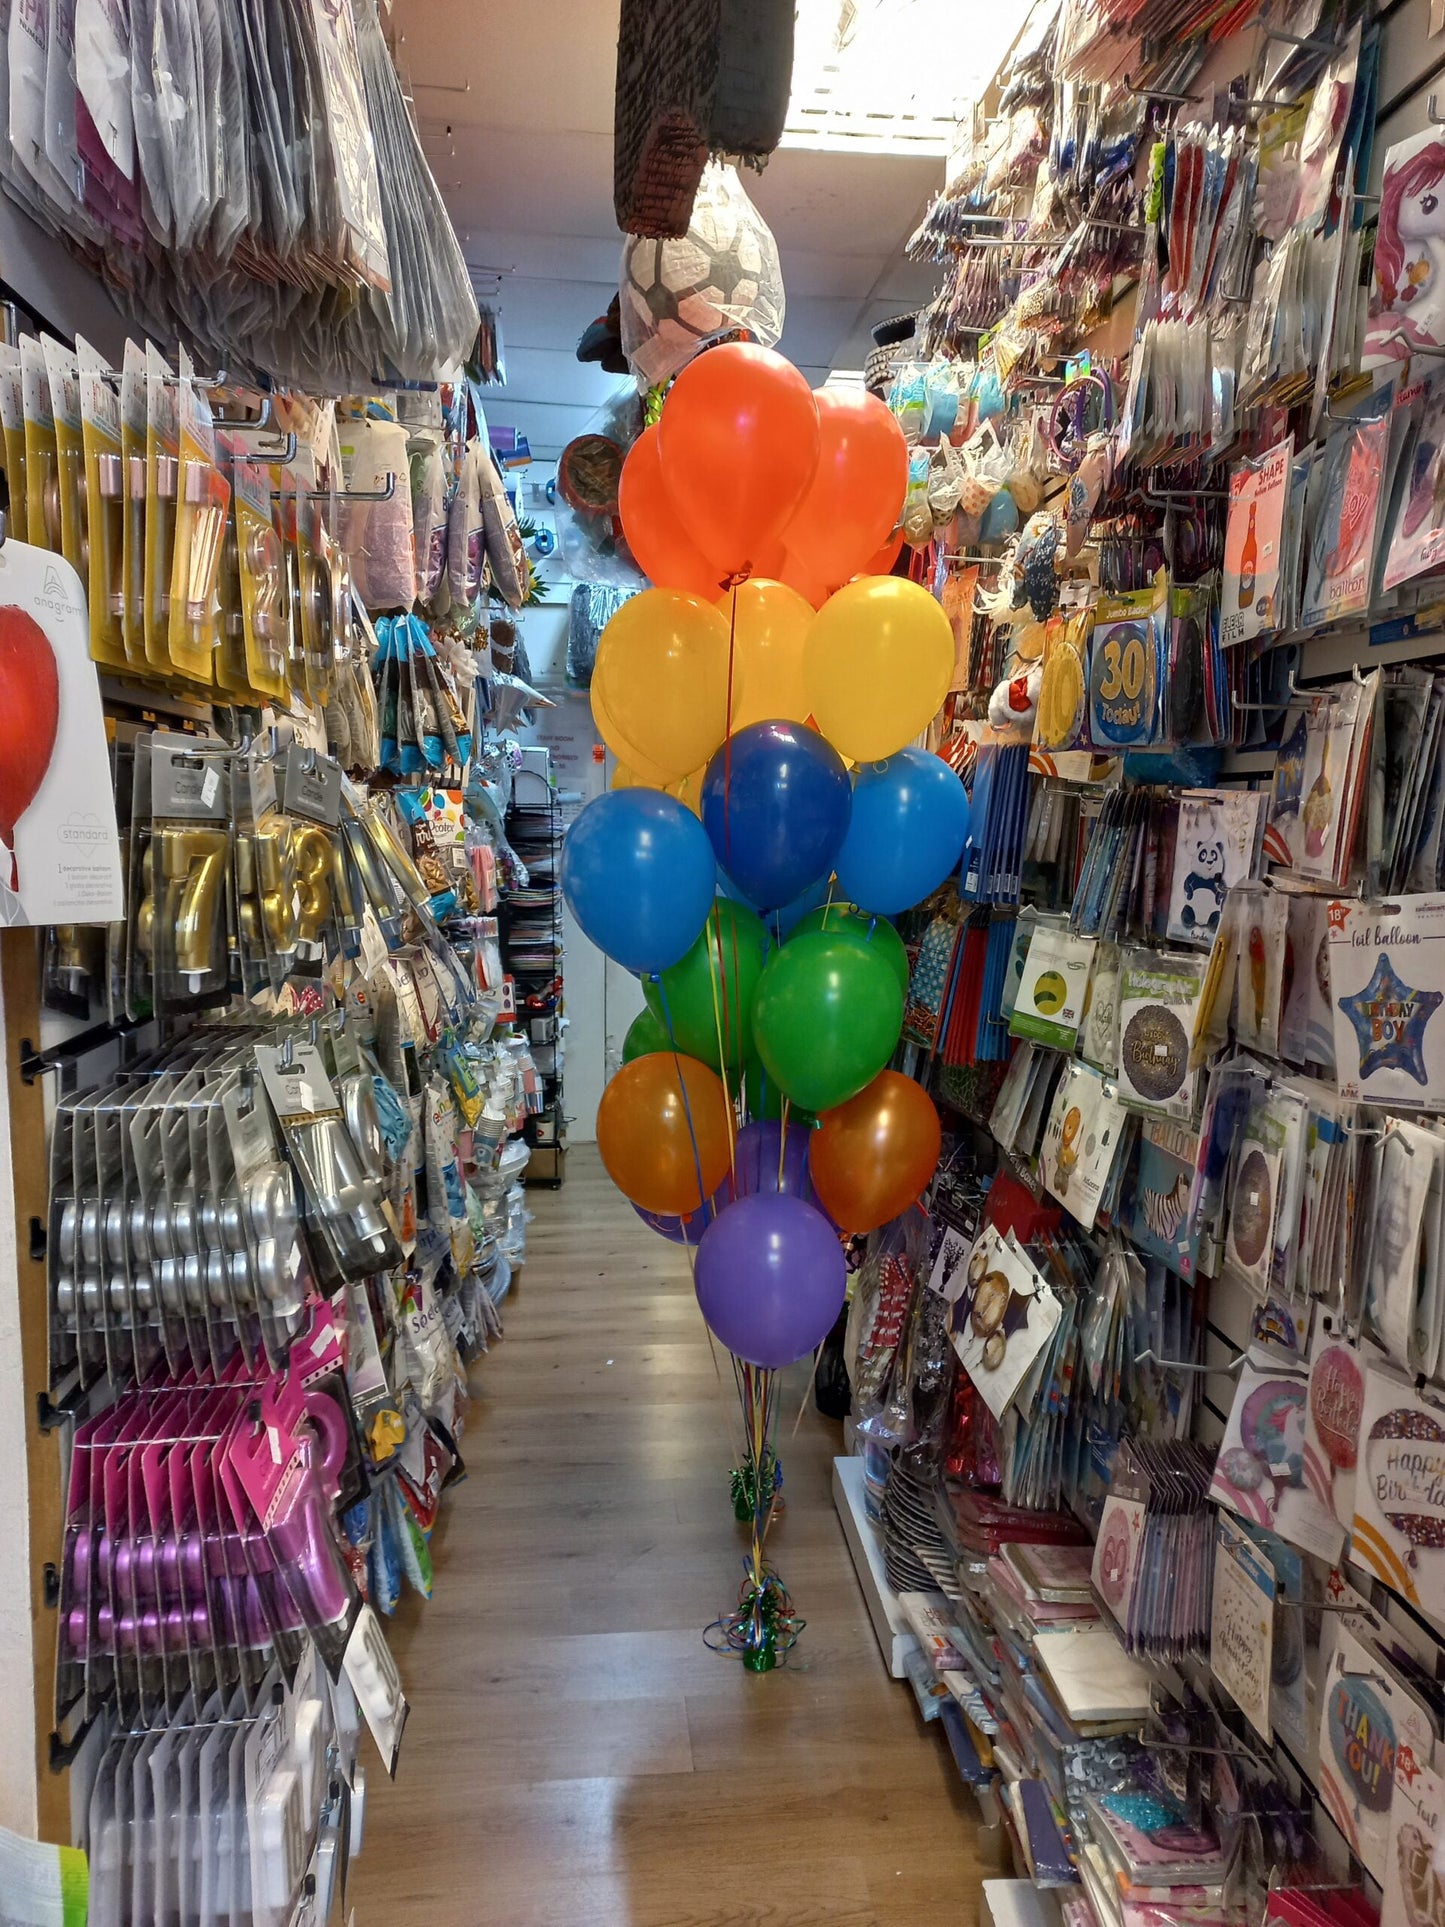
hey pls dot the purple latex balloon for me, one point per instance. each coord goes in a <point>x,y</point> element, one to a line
<point>757,1160</point>
<point>771,1278</point>
<point>682,1231</point>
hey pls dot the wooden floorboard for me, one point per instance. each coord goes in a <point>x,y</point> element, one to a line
<point>575,1755</point>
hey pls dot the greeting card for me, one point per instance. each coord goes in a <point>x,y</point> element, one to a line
<point>1081,1140</point>
<point>1049,1003</point>
<point>1002,1318</point>
<point>1414,1892</point>
<point>1258,490</point>
<point>1367,1721</point>
<point>1241,1633</point>
<point>1260,1474</point>
<point>1402,1255</point>
<point>1398,1532</point>
<point>1387,983</point>
<point>1216,846</point>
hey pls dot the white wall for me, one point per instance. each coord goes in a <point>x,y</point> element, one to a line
<point>17,1663</point>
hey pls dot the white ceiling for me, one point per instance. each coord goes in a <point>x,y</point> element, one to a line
<point>527,91</point>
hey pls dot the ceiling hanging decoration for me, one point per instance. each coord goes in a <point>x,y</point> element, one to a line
<point>694,77</point>
<point>723,273</point>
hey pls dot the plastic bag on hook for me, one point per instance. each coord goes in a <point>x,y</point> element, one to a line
<point>724,273</point>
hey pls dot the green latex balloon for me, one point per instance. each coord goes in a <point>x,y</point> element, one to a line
<point>764,1097</point>
<point>827,1016</point>
<point>713,987</point>
<point>646,1034</point>
<point>847,920</point>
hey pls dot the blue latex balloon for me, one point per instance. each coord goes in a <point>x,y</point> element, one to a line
<point>638,875</point>
<point>775,804</point>
<point>1000,518</point>
<point>908,829</point>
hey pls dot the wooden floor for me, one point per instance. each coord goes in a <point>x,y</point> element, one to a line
<point>576,1757</point>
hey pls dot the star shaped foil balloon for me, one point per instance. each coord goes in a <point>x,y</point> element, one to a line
<point>1389,1019</point>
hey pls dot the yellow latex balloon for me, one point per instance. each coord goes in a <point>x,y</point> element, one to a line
<point>877,665</point>
<point>628,755</point>
<point>662,672</point>
<point>768,632</point>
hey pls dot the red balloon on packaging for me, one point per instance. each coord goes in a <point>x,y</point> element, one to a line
<point>857,493</point>
<point>739,445</point>
<point>29,719</point>
<point>660,545</point>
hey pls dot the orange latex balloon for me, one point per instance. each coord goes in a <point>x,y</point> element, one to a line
<point>739,443</point>
<point>881,562</point>
<point>858,489</point>
<point>769,624</point>
<point>651,1114</point>
<point>660,545</point>
<point>873,1156</point>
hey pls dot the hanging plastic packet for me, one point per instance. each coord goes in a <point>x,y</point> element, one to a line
<point>203,497</point>
<point>133,521</point>
<point>64,377</point>
<point>190,855</point>
<point>266,896</point>
<point>261,572</point>
<point>377,533</point>
<point>429,514</point>
<point>162,467</point>
<point>12,423</point>
<point>466,535</point>
<point>105,506</point>
<point>42,471</point>
<point>28,46</point>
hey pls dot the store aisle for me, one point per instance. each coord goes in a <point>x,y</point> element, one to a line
<point>575,1756</point>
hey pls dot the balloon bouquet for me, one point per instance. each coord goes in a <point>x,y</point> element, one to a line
<point>744,874</point>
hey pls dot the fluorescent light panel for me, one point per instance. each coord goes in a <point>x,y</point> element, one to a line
<point>892,76</point>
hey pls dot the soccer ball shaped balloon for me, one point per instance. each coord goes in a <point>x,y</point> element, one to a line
<point>722,274</point>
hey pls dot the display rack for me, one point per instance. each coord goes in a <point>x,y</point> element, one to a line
<point>533,954</point>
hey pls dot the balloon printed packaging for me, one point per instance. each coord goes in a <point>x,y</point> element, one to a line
<point>59,851</point>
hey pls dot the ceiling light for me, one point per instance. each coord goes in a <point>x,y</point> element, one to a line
<point>891,76</point>
<point>844,378</point>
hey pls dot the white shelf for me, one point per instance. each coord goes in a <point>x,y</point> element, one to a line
<point>895,1641</point>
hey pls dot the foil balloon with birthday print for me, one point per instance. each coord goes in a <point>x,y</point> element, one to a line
<point>1406,1465</point>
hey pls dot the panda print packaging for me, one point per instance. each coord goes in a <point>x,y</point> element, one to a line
<point>1217,846</point>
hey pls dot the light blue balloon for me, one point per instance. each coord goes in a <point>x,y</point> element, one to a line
<point>906,833</point>
<point>639,876</point>
<point>1000,518</point>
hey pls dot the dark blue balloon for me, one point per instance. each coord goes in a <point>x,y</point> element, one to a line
<point>775,803</point>
<point>638,874</point>
<point>907,832</point>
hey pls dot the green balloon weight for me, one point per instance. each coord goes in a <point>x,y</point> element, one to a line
<point>848,921</point>
<point>827,1016</point>
<point>763,1097</point>
<point>646,1034</point>
<point>709,994</point>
